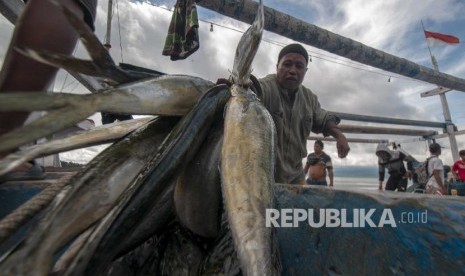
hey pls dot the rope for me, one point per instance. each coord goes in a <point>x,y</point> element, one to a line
<point>119,31</point>
<point>13,221</point>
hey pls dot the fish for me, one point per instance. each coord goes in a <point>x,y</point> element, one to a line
<point>102,65</point>
<point>170,95</point>
<point>130,92</point>
<point>80,139</point>
<point>180,147</point>
<point>93,193</point>
<point>197,196</point>
<point>247,164</point>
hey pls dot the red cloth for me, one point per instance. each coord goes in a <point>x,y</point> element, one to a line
<point>434,39</point>
<point>459,168</point>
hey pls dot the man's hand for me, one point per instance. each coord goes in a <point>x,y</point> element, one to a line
<point>224,81</point>
<point>342,146</point>
<point>341,141</point>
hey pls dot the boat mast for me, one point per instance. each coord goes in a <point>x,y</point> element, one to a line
<point>450,128</point>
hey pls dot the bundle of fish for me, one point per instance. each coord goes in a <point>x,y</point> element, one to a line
<point>128,193</point>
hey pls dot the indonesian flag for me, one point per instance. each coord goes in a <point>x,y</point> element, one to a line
<point>437,39</point>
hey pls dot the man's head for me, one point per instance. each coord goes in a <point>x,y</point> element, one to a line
<point>318,146</point>
<point>462,154</point>
<point>383,152</point>
<point>292,66</point>
<point>435,148</point>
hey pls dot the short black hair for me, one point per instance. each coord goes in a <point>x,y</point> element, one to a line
<point>462,152</point>
<point>293,48</point>
<point>434,147</point>
<point>319,142</point>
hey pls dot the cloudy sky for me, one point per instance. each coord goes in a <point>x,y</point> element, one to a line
<point>341,85</point>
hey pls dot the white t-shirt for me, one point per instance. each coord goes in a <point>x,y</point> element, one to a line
<point>435,164</point>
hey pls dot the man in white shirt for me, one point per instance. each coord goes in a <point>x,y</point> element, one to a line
<point>435,184</point>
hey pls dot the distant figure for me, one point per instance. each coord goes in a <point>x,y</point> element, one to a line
<point>435,184</point>
<point>317,164</point>
<point>458,169</point>
<point>393,161</point>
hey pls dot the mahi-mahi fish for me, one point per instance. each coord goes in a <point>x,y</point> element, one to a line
<point>135,93</point>
<point>81,139</point>
<point>247,164</point>
<point>177,151</point>
<point>93,192</point>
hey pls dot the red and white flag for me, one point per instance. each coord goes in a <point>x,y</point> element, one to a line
<point>437,39</point>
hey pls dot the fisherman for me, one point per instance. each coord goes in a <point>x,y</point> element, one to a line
<point>318,162</point>
<point>295,111</point>
<point>435,184</point>
<point>458,169</point>
<point>41,25</point>
<point>393,161</point>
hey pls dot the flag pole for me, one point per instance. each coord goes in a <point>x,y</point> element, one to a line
<point>450,128</point>
<point>433,59</point>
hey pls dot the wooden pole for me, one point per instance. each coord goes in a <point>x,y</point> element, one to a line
<point>298,30</point>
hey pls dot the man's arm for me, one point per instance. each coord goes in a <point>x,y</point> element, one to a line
<point>341,141</point>
<point>437,177</point>
<point>381,171</point>
<point>307,166</point>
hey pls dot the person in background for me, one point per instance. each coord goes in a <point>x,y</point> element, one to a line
<point>435,184</point>
<point>393,161</point>
<point>41,25</point>
<point>296,112</point>
<point>458,169</point>
<point>318,162</point>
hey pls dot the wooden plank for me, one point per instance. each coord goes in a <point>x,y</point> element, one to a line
<point>301,31</point>
<point>436,91</point>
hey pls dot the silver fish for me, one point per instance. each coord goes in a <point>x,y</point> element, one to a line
<point>158,176</point>
<point>197,196</point>
<point>165,95</point>
<point>247,164</point>
<point>99,135</point>
<point>93,192</point>
<point>133,92</point>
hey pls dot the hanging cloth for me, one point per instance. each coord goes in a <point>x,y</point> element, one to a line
<point>183,38</point>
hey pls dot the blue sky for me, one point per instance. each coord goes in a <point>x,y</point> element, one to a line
<point>341,85</point>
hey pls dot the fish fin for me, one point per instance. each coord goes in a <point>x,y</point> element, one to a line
<point>66,62</point>
<point>52,122</point>
<point>101,58</point>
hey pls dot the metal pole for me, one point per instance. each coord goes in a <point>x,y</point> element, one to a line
<point>386,130</point>
<point>446,112</point>
<point>387,120</point>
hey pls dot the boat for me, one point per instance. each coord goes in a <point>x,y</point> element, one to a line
<point>320,231</point>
